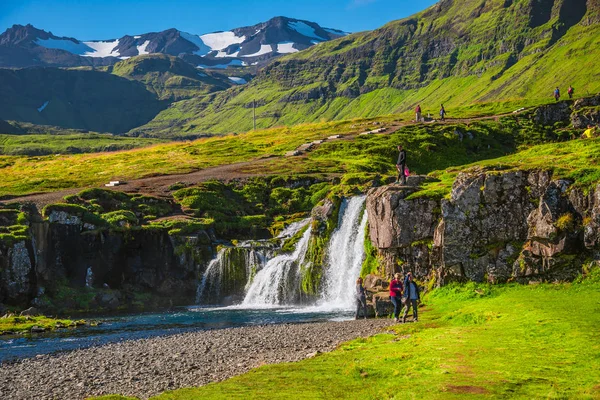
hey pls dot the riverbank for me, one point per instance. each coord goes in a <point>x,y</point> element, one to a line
<point>471,341</point>
<point>146,367</point>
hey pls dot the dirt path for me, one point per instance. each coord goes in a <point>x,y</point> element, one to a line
<point>155,185</point>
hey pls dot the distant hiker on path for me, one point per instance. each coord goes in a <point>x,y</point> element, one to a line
<point>411,297</point>
<point>361,298</point>
<point>401,166</point>
<point>570,92</point>
<point>396,295</point>
<point>418,113</point>
<point>557,93</point>
<point>442,113</point>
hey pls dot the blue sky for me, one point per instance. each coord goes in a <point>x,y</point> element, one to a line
<point>108,19</point>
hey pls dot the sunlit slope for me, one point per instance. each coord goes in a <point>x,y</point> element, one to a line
<point>504,54</point>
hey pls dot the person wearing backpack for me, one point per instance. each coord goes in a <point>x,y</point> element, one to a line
<point>571,91</point>
<point>557,93</point>
<point>418,113</point>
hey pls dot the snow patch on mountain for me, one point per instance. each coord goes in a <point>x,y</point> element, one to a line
<point>40,109</point>
<point>102,49</point>
<point>304,29</point>
<point>237,80</point>
<point>64,44</point>
<point>142,49</point>
<point>286,47</point>
<point>222,54</point>
<point>222,40</point>
<point>195,39</point>
<point>264,49</point>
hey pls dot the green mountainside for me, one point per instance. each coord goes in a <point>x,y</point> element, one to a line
<point>170,78</point>
<point>89,100</point>
<point>466,54</point>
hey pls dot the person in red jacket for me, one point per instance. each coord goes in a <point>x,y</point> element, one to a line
<point>418,113</point>
<point>396,290</point>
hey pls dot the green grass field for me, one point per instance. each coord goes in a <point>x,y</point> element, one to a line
<point>472,341</point>
<point>44,144</point>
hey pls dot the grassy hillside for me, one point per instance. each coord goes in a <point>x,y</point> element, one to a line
<point>494,55</point>
<point>432,148</point>
<point>89,100</point>
<point>75,143</point>
<point>169,77</point>
<point>429,147</point>
<point>472,341</point>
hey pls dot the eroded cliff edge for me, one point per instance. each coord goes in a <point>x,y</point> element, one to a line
<point>495,226</point>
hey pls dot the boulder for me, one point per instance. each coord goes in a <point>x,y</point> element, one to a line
<point>382,304</point>
<point>31,311</point>
<point>37,329</point>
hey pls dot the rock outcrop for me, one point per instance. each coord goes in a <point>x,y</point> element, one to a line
<point>496,226</point>
<point>66,252</point>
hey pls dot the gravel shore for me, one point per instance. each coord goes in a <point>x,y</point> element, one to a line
<point>146,367</point>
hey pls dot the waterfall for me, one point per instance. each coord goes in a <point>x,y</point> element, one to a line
<point>276,282</point>
<point>232,271</point>
<point>226,276</point>
<point>209,274</point>
<point>345,255</point>
<point>89,278</point>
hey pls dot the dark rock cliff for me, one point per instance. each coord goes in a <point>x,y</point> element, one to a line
<point>66,252</point>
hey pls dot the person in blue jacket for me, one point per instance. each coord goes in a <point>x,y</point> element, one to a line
<point>411,297</point>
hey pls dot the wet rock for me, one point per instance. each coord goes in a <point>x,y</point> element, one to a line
<point>31,311</point>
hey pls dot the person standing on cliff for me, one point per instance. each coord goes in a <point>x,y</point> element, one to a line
<point>411,297</point>
<point>418,113</point>
<point>401,166</point>
<point>570,92</point>
<point>361,298</point>
<point>396,295</point>
<point>557,93</point>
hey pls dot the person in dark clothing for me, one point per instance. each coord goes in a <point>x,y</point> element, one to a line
<point>442,113</point>
<point>570,92</point>
<point>396,295</point>
<point>411,297</point>
<point>361,298</point>
<point>418,113</point>
<point>557,93</point>
<point>401,166</point>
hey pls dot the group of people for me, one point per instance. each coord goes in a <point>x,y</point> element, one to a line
<point>402,294</point>
<point>570,92</point>
<point>419,113</point>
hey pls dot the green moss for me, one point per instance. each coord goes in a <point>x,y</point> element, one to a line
<point>120,219</point>
<point>312,270</point>
<point>371,264</point>
<point>25,323</point>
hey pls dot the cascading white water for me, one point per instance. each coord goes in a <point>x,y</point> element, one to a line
<point>275,283</point>
<point>209,274</point>
<point>345,255</point>
<point>293,228</point>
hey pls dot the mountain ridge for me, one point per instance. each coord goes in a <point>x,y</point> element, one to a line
<point>26,46</point>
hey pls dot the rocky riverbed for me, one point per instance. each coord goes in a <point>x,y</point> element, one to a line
<point>146,367</point>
